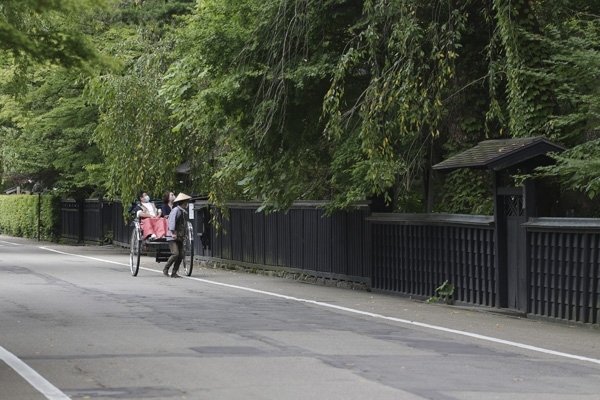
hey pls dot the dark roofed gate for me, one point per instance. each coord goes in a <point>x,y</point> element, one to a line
<point>513,206</point>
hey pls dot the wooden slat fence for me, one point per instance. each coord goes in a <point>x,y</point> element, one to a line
<point>302,239</point>
<point>413,254</point>
<point>71,219</point>
<point>565,268</point>
<point>88,220</point>
<point>406,254</point>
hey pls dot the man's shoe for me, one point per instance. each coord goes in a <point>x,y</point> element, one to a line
<point>175,276</point>
<point>166,272</point>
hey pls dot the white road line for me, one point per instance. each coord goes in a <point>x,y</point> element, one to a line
<point>88,257</point>
<point>31,376</point>
<point>369,314</point>
<point>14,244</point>
<point>404,321</point>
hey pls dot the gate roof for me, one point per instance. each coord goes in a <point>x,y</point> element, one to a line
<point>502,153</point>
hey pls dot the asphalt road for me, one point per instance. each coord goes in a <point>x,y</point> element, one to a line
<point>75,324</point>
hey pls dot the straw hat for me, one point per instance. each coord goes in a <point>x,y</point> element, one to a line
<point>181,197</point>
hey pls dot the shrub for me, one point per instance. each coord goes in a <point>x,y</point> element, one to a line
<point>19,216</point>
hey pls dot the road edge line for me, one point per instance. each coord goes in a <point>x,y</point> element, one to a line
<point>36,380</point>
<point>372,315</point>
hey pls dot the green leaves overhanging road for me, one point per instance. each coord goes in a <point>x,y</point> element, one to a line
<point>281,100</point>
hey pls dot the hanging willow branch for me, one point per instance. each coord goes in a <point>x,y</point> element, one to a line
<point>405,62</point>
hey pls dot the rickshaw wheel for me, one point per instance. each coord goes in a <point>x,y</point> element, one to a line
<point>134,252</point>
<point>188,251</point>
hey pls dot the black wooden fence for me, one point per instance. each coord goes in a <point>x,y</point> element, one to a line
<point>71,219</point>
<point>87,220</point>
<point>122,227</point>
<point>565,268</point>
<point>394,253</point>
<point>414,254</point>
<point>301,240</point>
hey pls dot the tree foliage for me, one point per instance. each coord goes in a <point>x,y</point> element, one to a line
<point>571,33</point>
<point>342,100</point>
<point>387,94</point>
<point>33,32</point>
<point>44,123</point>
<point>47,134</point>
<point>247,91</point>
<point>47,129</point>
<point>134,131</point>
<point>281,100</point>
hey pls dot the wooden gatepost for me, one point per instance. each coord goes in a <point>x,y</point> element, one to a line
<point>513,206</point>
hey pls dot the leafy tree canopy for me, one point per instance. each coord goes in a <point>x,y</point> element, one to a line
<point>347,99</point>
<point>47,31</point>
<point>134,131</point>
<point>247,90</point>
<point>43,122</point>
<point>574,70</point>
<point>280,100</point>
<point>46,134</point>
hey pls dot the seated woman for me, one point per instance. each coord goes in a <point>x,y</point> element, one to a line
<point>152,224</point>
<point>167,204</point>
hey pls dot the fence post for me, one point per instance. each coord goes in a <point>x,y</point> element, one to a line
<point>81,226</point>
<point>39,215</point>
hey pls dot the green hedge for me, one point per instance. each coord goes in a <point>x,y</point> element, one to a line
<point>19,216</point>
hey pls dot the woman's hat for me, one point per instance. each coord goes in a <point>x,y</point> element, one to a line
<point>181,197</point>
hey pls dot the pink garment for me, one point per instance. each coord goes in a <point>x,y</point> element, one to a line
<point>156,226</point>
